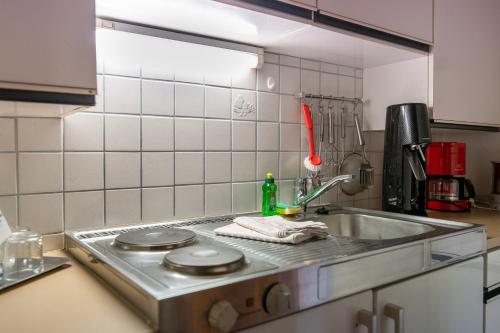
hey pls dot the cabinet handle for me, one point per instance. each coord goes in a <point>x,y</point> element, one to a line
<point>367,319</point>
<point>396,313</point>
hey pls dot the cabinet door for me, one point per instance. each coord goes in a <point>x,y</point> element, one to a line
<point>406,17</point>
<point>492,321</point>
<point>401,82</point>
<point>449,300</point>
<point>48,43</point>
<point>493,269</point>
<point>338,316</point>
<point>467,61</point>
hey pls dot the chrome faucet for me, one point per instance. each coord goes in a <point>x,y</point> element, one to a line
<point>303,197</point>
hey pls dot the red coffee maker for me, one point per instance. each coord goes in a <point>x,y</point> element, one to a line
<point>447,188</point>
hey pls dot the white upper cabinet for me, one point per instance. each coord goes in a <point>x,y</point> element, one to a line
<point>409,18</point>
<point>48,47</point>
<point>397,83</point>
<point>467,61</point>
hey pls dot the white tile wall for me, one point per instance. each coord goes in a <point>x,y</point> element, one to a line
<point>8,205</point>
<point>157,134</point>
<point>161,145</point>
<point>243,166</point>
<point>289,165</point>
<point>188,134</point>
<point>42,212</point>
<point>157,98</point>
<point>37,134</point>
<point>217,134</point>
<point>189,100</point>
<point>289,110</point>
<point>244,197</point>
<point>267,162</point>
<point>290,80</point>
<point>217,199</point>
<point>217,167</point>
<point>8,170</point>
<point>123,95</point>
<point>83,171</point>
<point>40,172</point>
<point>268,106</point>
<point>268,136</point>
<point>122,133</point>
<point>244,135</point>
<point>289,61</point>
<point>157,169</point>
<point>84,132</point>
<point>122,170</point>
<point>290,137</point>
<point>189,201</point>
<point>157,204</point>
<point>218,102</point>
<point>309,81</point>
<point>188,168</point>
<point>7,135</point>
<point>123,206</point>
<point>83,209</point>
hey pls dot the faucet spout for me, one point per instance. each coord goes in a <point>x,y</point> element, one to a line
<point>318,191</point>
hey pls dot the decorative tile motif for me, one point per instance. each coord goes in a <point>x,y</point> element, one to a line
<point>242,107</point>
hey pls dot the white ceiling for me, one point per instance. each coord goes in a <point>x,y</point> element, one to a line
<point>274,34</point>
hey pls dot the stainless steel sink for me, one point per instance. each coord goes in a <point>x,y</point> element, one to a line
<point>361,226</point>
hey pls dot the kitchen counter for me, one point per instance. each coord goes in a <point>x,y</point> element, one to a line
<point>67,300</point>
<point>488,218</point>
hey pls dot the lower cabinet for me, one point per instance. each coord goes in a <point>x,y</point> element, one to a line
<point>449,300</point>
<point>492,306</point>
<point>338,317</point>
<point>492,315</point>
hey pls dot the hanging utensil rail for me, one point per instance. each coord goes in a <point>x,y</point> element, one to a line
<point>330,97</point>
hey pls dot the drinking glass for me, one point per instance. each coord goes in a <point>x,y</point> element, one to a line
<point>23,255</point>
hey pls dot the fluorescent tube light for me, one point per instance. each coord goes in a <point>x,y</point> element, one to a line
<point>179,48</point>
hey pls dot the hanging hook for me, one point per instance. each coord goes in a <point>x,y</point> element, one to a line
<point>320,104</point>
<point>330,103</point>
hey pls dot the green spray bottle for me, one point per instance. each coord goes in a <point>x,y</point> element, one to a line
<point>269,196</point>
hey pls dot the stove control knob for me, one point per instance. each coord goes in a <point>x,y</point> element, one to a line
<point>222,316</point>
<point>278,299</point>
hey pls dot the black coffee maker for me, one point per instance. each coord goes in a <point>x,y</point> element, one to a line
<point>407,133</point>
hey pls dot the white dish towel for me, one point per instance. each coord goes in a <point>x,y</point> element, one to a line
<point>273,229</point>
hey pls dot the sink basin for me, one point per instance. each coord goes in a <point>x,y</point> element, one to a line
<point>368,227</point>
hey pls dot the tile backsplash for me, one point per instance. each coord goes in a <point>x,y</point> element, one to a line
<point>158,147</point>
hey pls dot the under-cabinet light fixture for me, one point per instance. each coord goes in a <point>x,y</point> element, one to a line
<point>244,55</point>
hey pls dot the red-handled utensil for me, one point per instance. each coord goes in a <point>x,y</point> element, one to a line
<point>313,161</point>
